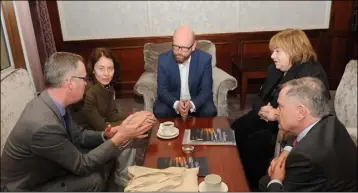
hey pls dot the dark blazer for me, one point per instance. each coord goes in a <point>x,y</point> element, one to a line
<point>324,160</point>
<point>200,79</point>
<point>97,108</point>
<point>270,89</point>
<point>40,148</point>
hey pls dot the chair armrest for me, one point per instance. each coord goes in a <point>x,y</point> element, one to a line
<point>353,133</point>
<point>146,86</point>
<point>222,83</point>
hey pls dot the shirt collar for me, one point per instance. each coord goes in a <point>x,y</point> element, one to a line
<point>60,108</point>
<point>305,131</point>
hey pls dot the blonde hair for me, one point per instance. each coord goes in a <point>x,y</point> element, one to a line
<point>295,43</point>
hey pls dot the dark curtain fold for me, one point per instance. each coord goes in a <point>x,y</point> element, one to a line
<point>43,31</point>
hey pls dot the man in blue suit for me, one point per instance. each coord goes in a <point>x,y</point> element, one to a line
<point>184,79</point>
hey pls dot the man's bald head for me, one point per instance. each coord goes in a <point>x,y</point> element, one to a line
<point>184,34</point>
<point>183,43</point>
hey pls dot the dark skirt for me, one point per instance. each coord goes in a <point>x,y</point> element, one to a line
<point>255,140</point>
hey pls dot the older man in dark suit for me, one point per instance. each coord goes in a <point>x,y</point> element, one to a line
<point>185,79</point>
<point>323,156</point>
<point>43,152</point>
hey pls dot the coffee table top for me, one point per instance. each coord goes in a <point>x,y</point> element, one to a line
<point>222,160</point>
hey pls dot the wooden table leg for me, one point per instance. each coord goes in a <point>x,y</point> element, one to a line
<point>243,90</point>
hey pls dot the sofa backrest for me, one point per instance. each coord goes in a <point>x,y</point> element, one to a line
<point>345,101</point>
<point>16,91</point>
<point>152,51</point>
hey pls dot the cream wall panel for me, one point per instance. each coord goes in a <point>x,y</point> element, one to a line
<point>278,15</point>
<point>82,20</point>
<point>103,19</point>
<point>202,16</point>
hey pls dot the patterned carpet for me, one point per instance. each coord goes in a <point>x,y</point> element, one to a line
<point>128,105</point>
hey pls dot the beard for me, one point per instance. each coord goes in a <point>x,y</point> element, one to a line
<point>180,58</point>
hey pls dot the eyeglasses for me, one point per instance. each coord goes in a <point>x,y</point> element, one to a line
<point>183,48</point>
<point>86,78</point>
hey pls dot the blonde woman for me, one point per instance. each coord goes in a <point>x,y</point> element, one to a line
<point>293,57</point>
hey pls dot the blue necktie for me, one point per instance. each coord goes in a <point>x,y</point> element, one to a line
<point>65,118</point>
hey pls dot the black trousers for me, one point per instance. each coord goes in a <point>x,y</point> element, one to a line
<point>263,183</point>
<point>255,139</point>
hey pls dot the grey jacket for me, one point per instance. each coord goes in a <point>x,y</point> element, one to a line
<point>40,148</point>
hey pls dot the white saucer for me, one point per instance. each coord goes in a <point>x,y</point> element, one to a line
<point>176,133</point>
<point>202,188</point>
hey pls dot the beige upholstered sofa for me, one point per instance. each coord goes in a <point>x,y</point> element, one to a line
<point>345,104</point>
<point>16,91</point>
<point>146,86</point>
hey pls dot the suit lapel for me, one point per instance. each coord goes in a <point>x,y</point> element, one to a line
<point>193,69</point>
<point>291,73</point>
<point>273,81</point>
<point>51,104</point>
<point>175,71</point>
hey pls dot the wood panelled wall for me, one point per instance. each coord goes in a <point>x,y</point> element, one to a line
<point>330,44</point>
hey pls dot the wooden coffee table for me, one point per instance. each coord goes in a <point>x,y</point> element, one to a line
<point>222,160</point>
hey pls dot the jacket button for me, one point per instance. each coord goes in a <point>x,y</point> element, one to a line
<point>63,184</point>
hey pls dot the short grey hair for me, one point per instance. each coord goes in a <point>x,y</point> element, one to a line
<point>310,92</point>
<point>59,66</point>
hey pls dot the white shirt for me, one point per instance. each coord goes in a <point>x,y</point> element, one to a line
<point>289,148</point>
<point>184,82</point>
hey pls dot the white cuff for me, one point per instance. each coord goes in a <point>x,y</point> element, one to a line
<point>102,135</point>
<point>274,181</point>
<point>175,106</point>
<point>193,107</point>
<point>287,148</point>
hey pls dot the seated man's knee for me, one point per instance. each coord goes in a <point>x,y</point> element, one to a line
<point>163,111</point>
<point>96,183</point>
<point>208,111</point>
<point>160,112</point>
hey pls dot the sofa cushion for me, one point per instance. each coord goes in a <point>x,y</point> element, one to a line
<point>16,91</point>
<point>152,51</point>
<point>345,102</point>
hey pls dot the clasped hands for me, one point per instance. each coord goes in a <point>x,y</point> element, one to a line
<point>277,169</point>
<point>134,126</point>
<point>183,107</point>
<point>268,113</point>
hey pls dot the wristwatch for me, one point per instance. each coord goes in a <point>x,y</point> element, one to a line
<point>104,137</point>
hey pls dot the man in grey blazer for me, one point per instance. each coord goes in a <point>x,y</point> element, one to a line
<point>323,157</point>
<point>43,151</point>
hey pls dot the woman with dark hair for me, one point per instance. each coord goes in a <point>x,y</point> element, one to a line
<point>255,132</point>
<point>98,108</point>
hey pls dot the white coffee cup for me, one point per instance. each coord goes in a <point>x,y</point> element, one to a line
<point>212,182</point>
<point>167,128</point>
